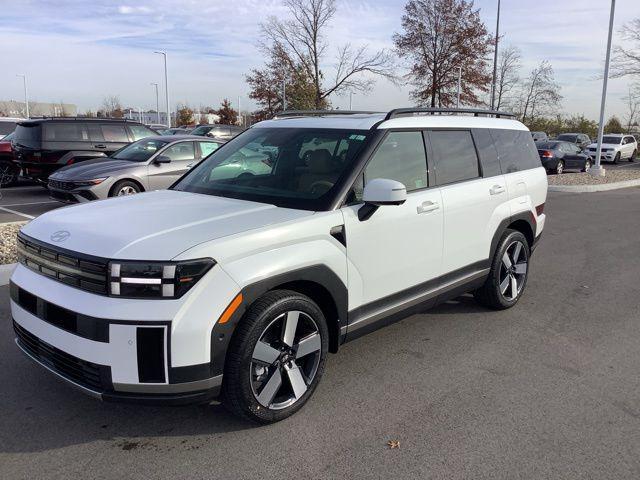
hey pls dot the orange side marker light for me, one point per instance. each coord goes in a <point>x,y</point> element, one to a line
<point>230,310</point>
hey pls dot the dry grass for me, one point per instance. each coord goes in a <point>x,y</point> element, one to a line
<point>612,176</point>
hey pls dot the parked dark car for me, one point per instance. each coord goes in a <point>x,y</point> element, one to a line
<point>223,132</point>
<point>558,156</point>
<point>579,139</point>
<point>42,146</point>
<point>539,136</point>
<point>8,170</point>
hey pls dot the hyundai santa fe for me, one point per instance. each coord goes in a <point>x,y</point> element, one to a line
<point>237,282</point>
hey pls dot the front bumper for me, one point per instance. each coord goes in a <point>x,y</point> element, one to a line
<point>151,351</point>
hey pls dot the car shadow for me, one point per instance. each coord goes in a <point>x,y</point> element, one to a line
<point>462,304</point>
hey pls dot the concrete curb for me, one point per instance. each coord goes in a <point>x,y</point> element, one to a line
<point>5,273</point>
<point>594,188</point>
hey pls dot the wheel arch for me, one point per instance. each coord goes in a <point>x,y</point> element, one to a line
<point>127,179</point>
<point>523,222</point>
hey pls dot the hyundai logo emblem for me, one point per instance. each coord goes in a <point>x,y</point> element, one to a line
<point>60,236</point>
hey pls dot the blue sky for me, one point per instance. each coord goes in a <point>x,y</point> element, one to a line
<point>78,51</point>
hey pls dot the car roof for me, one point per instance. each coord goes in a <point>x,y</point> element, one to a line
<point>11,119</point>
<point>35,121</point>
<point>366,121</point>
<point>175,138</point>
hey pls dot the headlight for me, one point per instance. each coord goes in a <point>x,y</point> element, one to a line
<point>89,183</point>
<point>133,279</point>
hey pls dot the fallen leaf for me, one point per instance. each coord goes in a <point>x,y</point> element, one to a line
<point>393,444</point>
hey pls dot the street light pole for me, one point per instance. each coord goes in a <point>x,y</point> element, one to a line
<point>350,100</point>
<point>598,171</point>
<point>157,103</point>
<point>459,84</point>
<point>284,94</point>
<point>166,86</point>
<point>26,96</point>
<point>495,60</point>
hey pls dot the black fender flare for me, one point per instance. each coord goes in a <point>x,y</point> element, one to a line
<point>523,216</point>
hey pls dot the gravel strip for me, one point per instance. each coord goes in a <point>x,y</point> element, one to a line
<point>612,176</point>
<point>8,232</point>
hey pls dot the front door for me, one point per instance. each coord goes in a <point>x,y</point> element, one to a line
<point>398,249</point>
<point>181,158</point>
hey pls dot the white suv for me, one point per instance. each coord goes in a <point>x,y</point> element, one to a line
<point>239,283</point>
<point>615,147</point>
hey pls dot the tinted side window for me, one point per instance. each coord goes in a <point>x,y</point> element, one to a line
<point>114,133</point>
<point>400,157</point>
<point>180,151</point>
<point>65,132</point>
<point>487,152</point>
<point>454,156</point>
<point>139,132</point>
<point>516,150</point>
<point>207,148</point>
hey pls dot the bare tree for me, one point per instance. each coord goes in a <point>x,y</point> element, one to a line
<point>632,103</point>
<point>508,75</point>
<point>301,44</point>
<point>539,92</point>
<point>438,37</point>
<point>626,61</point>
<point>111,107</point>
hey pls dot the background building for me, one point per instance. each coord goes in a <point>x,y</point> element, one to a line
<point>12,108</point>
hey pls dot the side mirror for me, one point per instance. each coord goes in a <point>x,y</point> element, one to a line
<point>379,192</point>
<point>162,159</point>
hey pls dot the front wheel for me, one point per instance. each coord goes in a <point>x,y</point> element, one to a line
<point>587,165</point>
<point>633,155</point>
<point>508,274</point>
<point>8,173</point>
<point>616,159</point>
<point>276,357</point>
<point>124,188</point>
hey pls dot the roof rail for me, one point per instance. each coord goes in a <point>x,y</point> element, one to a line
<point>83,119</point>
<point>319,113</point>
<point>398,112</point>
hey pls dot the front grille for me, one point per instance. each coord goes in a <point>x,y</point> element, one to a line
<point>61,185</point>
<point>66,267</point>
<point>90,375</point>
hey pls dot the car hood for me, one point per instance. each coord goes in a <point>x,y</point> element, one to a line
<point>154,225</point>
<point>96,168</point>
<point>605,145</point>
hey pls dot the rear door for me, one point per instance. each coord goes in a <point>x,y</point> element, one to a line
<point>572,155</point>
<point>182,156</point>
<point>473,203</point>
<point>109,137</point>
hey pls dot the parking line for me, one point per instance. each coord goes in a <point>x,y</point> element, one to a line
<point>8,210</point>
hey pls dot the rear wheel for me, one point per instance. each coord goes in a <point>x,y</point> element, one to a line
<point>124,188</point>
<point>560,167</point>
<point>508,275</point>
<point>276,357</point>
<point>587,165</point>
<point>633,155</point>
<point>8,173</point>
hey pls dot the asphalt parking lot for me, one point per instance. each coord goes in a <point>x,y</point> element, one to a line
<point>548,389</point>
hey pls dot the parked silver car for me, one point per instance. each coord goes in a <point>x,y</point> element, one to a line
<point>152,163</point>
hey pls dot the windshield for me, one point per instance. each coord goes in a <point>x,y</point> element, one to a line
<point>7,127</point>
<point>139,151</point>
<point>548,145</point>
<point>201,130</point>
<point>610,139</point>
<point>289,167</point>
<point>568,137</point>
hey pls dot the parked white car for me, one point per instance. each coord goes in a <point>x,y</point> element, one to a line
<point>240,285</point>
<point>615,147</point>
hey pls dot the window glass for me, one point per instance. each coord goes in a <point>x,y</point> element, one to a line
<point>516,150</point>
<point>454,155</point>
<point>611,140</point>
<point>139,151</point>
<point>114,133</point>
<point>487,152</point>
<point>7,127</point>
<point>207,148</point>
<point>28,135</point>
<point>288,167</point>
<point>66,132</point>
<point>139,132</point>
<point>180,151</point>
<point>400,157</point>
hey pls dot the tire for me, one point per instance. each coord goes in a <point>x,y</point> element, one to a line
<point>123,188</point>
<point>633,155</point>
<point>560,167</point>
<point>587,165</point>
<point>262,363</point>
<point>499,290</point>
<point>616,159</point>
<point>8,173</point>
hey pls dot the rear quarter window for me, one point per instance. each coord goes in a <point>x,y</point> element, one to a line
<point>516,150</point>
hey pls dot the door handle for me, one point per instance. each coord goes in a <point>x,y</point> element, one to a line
<point>427,206</point>
<point>100,146</point>
<point>496,189</point>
